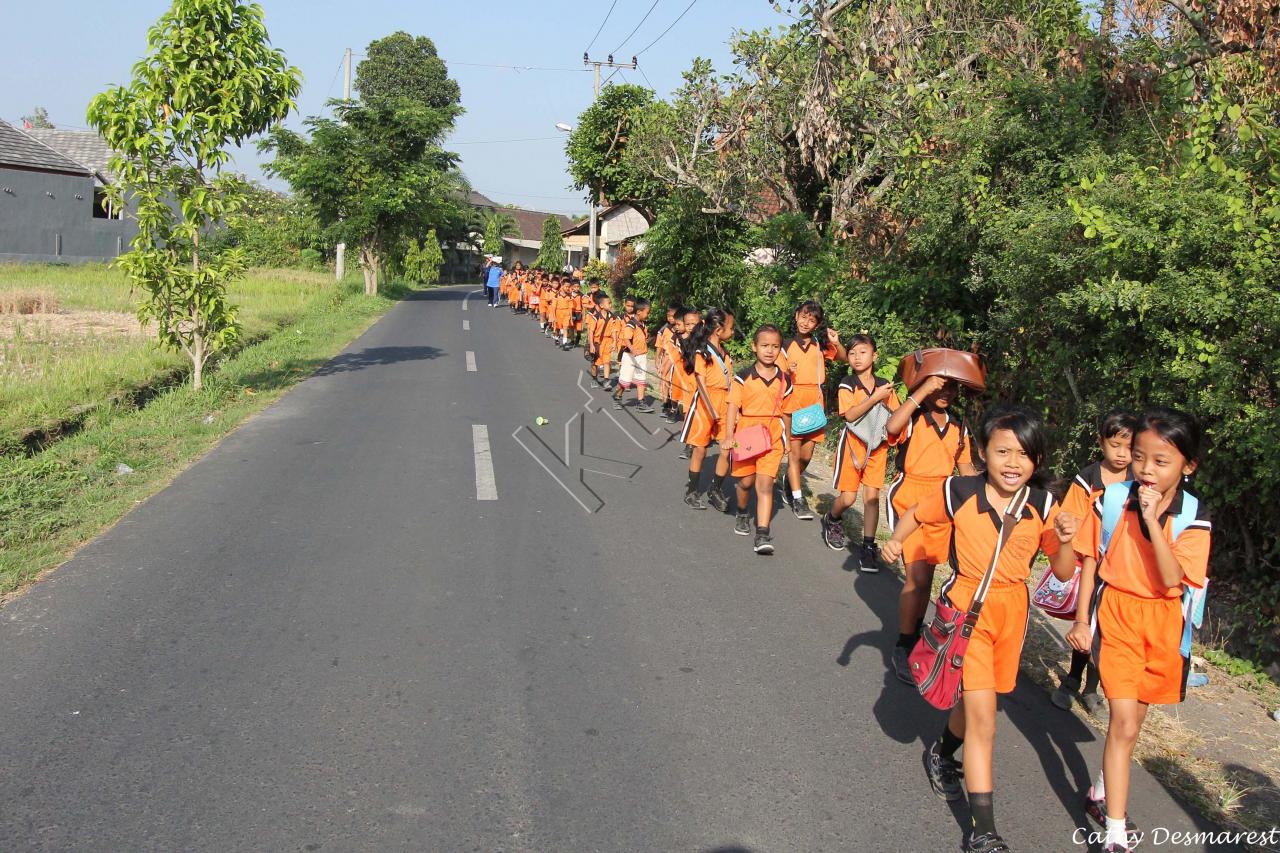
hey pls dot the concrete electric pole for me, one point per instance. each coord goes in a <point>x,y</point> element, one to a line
<point>340,261</point>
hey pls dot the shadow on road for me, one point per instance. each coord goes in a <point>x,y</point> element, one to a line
<point>377,357</point>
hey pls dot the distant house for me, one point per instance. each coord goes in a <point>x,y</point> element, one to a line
<point>619,224</point>
<point>524,248</point>
<point>53,204</point>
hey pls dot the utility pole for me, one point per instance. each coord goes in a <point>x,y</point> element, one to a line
<point>598,202</point>
<point>340,261</point>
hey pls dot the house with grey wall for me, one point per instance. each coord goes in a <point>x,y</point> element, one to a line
<point>53,205</point>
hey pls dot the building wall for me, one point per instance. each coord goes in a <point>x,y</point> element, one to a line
<point>38,208</point>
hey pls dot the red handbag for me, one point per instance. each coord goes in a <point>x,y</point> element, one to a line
<point>755,441</point>
<point>937,661</point>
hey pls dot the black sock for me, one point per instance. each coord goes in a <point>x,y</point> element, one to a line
<point>716,480</point>
<point>908,641</point>
<point>764,530</point>
<point>868,540</point>
<point>694,476</point>
<point>833,518</point>
<point>1079,660</point>
<point>948,743</point>
<point>983,811</point>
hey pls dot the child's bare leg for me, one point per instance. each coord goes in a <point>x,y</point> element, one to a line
<point>764,499</point>
<point>913,601</point>
<point>870,511</point>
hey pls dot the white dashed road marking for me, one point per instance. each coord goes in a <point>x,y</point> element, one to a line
<point>486,485</point>
<point>471,362</point>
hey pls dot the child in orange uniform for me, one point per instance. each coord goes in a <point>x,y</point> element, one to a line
<point>1150,539</point>
<point>634,367</point>
<point>1115,437</point>
<point>1013,449</point>
<point>805,356</point>
<point>661,342</point>
<point>758,397</point>
<point>859,466</point>
<point>932,445</point>
<point>681,381</point>
<point>564,313</point>
<point>711,368</point>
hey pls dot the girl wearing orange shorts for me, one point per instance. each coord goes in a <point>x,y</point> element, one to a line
<point>970,512</point>
<point>711,369</point>
<point>1150,539</point>
<point>805,358</point>
<point>758,396</point>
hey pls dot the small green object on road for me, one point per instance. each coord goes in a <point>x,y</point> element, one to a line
<point>540,421</point>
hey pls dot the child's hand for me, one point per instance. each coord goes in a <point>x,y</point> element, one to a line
<point>1148,502</point>
<point>1066,525</point>
<point>833,337</point>
<point>891,551</point>
<point>1079,637</point>
<point>882,393</point>
<point>792,366</point>
<point>929,386</point>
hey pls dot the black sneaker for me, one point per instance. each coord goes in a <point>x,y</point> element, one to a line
<point>647,408</point>
<point>684,452</point>
<point>800,508</point>
<point>717,499</point>
<point>944,774</point>
<point>1096,809</point>
<point>991,842</point>
<point>742,525</point>
<point>869,561</point>
<point>694,500</point>
<point>1066,693</point>
<point>833,533</point>
<point>764,542</point>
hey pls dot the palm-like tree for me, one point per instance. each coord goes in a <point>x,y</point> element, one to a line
<point>497,225</point>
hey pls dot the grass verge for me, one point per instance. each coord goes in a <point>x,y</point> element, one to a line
<point>55,371</point>
<point>53,502</point>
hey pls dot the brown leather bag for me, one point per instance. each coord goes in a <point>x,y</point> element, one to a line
<point>967,368</point>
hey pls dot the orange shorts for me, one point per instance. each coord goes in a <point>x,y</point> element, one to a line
<point>677,385</point>
<point>699,429</point>
<point>1136,646</point>
<point>802,396</point>
<point>564,319</point>
<point>931,542</point>
<point>995,648</point>
<point>848,478</point>
<point>604,355</point>
<point>768,464</point>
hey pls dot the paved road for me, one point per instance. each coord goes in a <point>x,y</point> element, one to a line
<point>319,638</point>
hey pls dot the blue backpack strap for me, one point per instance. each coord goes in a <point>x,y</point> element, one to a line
<point>1114,499</point>
<point>1192,599</point>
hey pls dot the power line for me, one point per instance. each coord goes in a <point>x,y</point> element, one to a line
<point>512,67</point>
<point>646,78</point>
<point>668,29</point>
<point>602,23</point>
<point>638,26</point>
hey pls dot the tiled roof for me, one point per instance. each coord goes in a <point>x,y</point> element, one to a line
<point>85,147</point>
<point>476,199</point>
<point>20,150</point>
<point>530,221</point>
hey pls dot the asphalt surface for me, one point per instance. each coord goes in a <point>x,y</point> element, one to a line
<point>318,638</point>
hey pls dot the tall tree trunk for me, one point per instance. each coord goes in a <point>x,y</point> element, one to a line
<point>369,266</point>
<point>198,356</point>
<point>1107,21</point>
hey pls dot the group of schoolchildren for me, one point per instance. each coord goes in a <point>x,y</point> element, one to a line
<point>1127,532</point>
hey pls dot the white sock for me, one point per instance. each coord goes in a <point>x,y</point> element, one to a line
<point>796,494</point>
<point>1100,787</point>
<point>1116,832</point>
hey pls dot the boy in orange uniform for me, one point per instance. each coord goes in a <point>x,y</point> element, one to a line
<point>660,354</point>
<point>635,357</point>
<point>858,466</point>
<point>757,398</point>
<point>932,445</point>
<point>564,314</point>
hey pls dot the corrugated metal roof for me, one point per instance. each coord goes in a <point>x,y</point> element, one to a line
<point>85,147</point>
<point>20,150</point>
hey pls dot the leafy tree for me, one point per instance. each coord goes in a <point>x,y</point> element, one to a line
<point>210,79</point>
<point>376,174</point>
<point>401,66</point>
<point>430,259</point>
<point>39,118</point>
<point>551,254</point>
<point>270,229</point>
<point>498,225</point>
<point>596,147</point>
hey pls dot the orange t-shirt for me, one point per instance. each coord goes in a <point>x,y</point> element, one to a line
<point>1130,562</point>
<point>635,338</point>
<point>926,452</point>
<point>810,359</point>
<point>758,398</point>
<point>962,504</point>
<point>851,392</point>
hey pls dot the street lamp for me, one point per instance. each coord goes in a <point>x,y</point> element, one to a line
<point>593,241</point>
